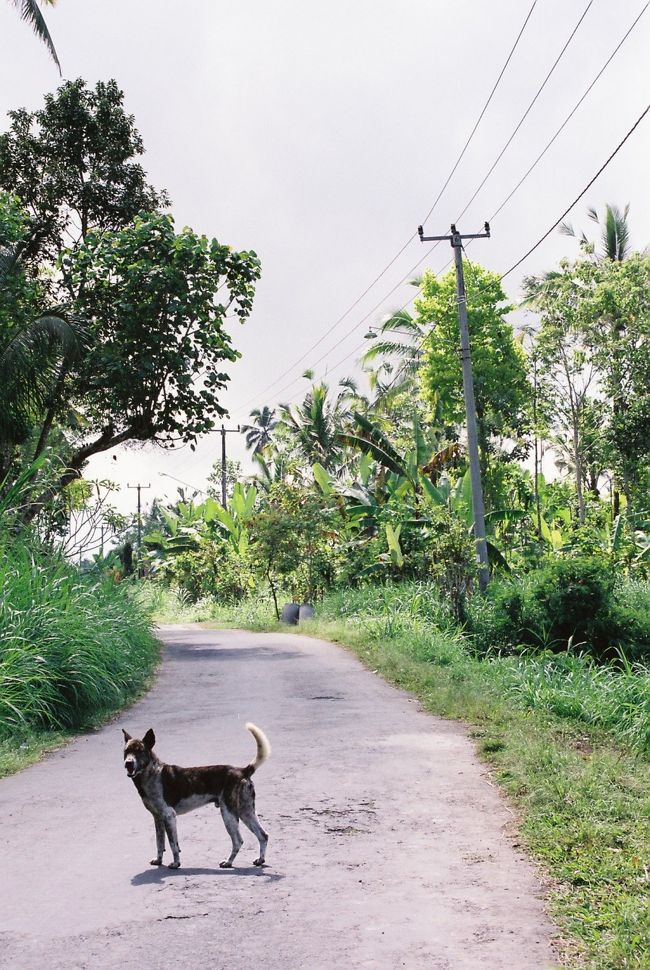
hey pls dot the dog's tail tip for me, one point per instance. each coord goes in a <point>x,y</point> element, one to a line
<point>263,746</point>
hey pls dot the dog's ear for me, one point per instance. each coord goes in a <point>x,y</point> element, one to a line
<point>149,739</point>
<point>127,736</point>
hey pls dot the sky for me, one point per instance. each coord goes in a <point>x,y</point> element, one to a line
<point>320,136</point>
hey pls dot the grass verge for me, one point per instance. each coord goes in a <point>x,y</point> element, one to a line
<point>73,651</point>
<point>568,744</point>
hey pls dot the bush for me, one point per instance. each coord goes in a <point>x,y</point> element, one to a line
<point>566,601</point>
<point>214,570</point>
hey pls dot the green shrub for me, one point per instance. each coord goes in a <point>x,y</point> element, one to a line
<point>214,570</point>
<point>573,600</point>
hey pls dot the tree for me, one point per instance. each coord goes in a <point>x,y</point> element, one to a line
<point>259,434</point>
<point>233,475</point>
<point>614,316</point>
<point>597,310</point>
<point>398,338</point>
<point>500,370</point>
<point>315,423</point>
<point>73,165</point>
<point>152,369</point>
<point>34,346</point>
<point>30,12</point>
<point>615,233</point>
<point>567,375</point>
<point>291,544</point>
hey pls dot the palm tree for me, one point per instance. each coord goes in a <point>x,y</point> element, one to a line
<point>615,232</point>
<point>398,349</point>
<point>34,360</point>
<point>29,11</point>
<point>258,435</point>
<point>316,422</point>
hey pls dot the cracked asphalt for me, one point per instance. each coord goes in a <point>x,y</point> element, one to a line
<point>389,847</point>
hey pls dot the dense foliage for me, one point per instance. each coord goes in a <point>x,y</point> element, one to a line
<point>112,323</point>
<point>72,648</point>
<point>353,489</point>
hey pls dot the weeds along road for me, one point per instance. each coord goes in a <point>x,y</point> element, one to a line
<point>388,846</point>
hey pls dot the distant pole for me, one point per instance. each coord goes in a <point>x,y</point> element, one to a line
<point>224,432</point>
<point>456,240</point>
<point>139,487</point>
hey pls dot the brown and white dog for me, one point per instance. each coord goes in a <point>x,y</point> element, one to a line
<point>168,791</point>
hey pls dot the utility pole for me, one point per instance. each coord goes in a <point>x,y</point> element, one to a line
<point>224,432</point>
<point>139,488</point>
<point>456,240</point>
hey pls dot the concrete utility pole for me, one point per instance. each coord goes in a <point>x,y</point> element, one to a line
<point>224,432</point>
<point>456,240</point>
<point>139,488</point>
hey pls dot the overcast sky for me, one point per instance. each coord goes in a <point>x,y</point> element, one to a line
<point>319,135</point>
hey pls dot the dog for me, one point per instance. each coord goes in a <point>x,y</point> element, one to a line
<point>168,791</point>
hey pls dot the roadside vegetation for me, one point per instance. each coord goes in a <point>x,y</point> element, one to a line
<point>108,317</point>
<point>74,650</point>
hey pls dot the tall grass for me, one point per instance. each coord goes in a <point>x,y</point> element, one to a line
<point>72,648</point>
<point>613,697</point>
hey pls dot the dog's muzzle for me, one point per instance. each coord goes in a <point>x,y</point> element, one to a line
<point>131,768</point>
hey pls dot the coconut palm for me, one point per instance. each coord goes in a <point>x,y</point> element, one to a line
<point>34,359</point>
<point>259,434</point>
<point>615,240</point>
<point>315,422</point>
<point>615,232</point>
<point>397,347</point>
<point>30,12</point>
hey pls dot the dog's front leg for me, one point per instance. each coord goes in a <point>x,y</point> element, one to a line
<point>172,837</point>
<point>160,841</point>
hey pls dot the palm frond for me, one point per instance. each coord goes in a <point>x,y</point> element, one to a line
<point>31,14</point>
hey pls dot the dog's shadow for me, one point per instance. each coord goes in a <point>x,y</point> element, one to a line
<point>157,874</point>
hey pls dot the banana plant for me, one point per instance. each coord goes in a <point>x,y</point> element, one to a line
<point>236,518</point>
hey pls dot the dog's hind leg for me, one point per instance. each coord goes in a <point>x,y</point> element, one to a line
<point>170,829</point>
<point>231,822</point>
<point>160,841</point>
<point>251,821</point>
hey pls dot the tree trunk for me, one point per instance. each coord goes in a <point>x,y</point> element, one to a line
<point>273,593</point>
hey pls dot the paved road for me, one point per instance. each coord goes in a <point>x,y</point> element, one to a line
<point>388,846</point>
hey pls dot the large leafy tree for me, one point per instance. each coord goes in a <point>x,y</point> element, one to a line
<point>73,164</point>
<point>153,365</point>
<point>499,363</point>
<point>567,379</point>
<point>614,315</point>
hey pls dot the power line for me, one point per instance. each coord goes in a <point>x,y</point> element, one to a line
<point>485,178</point>
<point>431,210</point>
<point>528,109</point>
<point>578,197</point>
<point>570,115</point>
<point>480,117</point>
<point>514,190</point>
<point>529,170</point>
<point>558,220</point>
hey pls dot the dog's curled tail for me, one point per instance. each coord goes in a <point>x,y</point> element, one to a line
<point>263,748</point>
